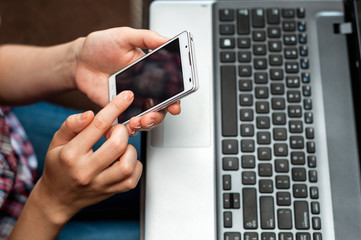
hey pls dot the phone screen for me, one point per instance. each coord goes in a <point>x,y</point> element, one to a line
<point>153,80</point>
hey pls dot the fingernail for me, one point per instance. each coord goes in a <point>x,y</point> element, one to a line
<point>150,125</point>
<point>83,116</point>
<point>128,95</point>
<point>138,127</point>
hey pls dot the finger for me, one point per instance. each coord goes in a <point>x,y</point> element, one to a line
<point>174,108</point>
<point>111,150</point>
<point>84,141</point>
<point>121,169</point>
<point>128,183</point>
<point>142,38</point>
<point>72,126</point>
<point>134,125</point>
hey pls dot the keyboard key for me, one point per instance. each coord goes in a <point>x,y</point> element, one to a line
<point>281,166</point>
<point>260,77</point>
<point>301,26</point>
<point>226,29</point>
<point>276,74</point>
<point>232,236</point>
<point>244,42</point>
<point>277,88</point>
<point>247,130</point>
<point>273,16</point>
<point>230,163</point>
<point>268,236</point>
<point>250,236</point>
<point>316,223</point>
<point>306,90</point>
<point>307,104</point>
<point>244,56</point>
<point>299,174</point>
<point>288,13</point>
<point>244,71</point>
<point>228,57</point>
<point>303,236</point>
<point>304,51</point>
<point>283,199</point>
<point>246,100</point>
<point>230,146</point>
<point>226,14</point>
<point>315,207</point>
<point>306,78</point>
<point>227,202</point>
<point>245,85</point>
<point>317,236</point>
<point>274,46</point>
<point>311,147</point>
<point>262,107</point>
<point>293,81</point>
<point>274,32</point>
<point>249,208</point>
<point>301,12</point>
<point>301,211</point>
<point>247,145</point>
<point>265,186</point>
<point>279,134</point>
<point>259,36</point>
<point>291,53</point>
<point>284,217</point>
<point>229,101</point>
<point>246,114</point>
<point>259,49</point>
<point>289,26</point>
<point>267,213</point>
<point>285,236</point>
<point>295,126</point>
<point>264,153</point>
<point>282,182</point>
<point>258,19</point>
<point>280,149</point>
<point>296,142</point>
<point>261,92</point>
<point>312,162</point>
<point>227,216</point>
<point>290,39</point>
<point>248,161</point>
<point>279,104</point>
<point>314,192</point>
<point>248,178</point>
<point>263,122</point>
<point>312,176</point>
<point>227,182</point>
<point>263,138</point>
<point>243,24</point>
<point>293,96</point>
<point>299,190</point>
<point>308,117</point>
<point>227,43</point>
<point>297,158</point>
<point>294,111</point>
<point>302,38</point>
<point>260,63</point>
<point>275,60</point>
<point>265,170</point>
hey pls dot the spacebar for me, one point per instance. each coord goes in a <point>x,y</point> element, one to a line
<point>229,100</point>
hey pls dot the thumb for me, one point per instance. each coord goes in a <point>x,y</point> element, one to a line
<point>72,126</point>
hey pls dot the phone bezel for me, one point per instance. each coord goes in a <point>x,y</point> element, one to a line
<point>188,63</point>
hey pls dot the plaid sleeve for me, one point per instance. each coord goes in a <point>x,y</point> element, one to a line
<point>17,170</point>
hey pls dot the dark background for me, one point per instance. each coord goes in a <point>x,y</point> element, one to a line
<point>49,22</point>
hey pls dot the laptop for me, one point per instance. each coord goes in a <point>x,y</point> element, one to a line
<point>268,147</point>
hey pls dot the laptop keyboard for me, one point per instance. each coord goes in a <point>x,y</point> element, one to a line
<point>268,172</point>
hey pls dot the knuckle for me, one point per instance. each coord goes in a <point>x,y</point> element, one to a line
<point>130,184</point>
<point>100,123</point>
<point>81,179</point>
<point>68,156</point>
<point>126,169</point>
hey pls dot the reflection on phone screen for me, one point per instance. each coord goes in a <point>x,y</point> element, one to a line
<point>152,80</point>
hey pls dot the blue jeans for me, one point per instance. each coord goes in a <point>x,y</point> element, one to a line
<point>114,218</point>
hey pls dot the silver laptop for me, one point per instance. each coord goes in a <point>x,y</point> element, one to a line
<point>267,147</point>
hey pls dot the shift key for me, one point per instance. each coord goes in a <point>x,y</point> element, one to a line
<point>250,208</point>
<point>302,219</point>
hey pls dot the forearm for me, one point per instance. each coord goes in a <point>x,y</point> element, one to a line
<point>29,73</point>
<point>41,218</point>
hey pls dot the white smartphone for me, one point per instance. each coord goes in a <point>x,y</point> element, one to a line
<point>159,78</point>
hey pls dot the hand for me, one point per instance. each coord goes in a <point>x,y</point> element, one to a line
<point>104,52</point>
<point>75,176</point>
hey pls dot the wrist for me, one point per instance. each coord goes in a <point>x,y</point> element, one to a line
<point>73,58</point>
<point>46,203</point>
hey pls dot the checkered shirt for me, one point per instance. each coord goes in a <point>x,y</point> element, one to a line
<point>17,170</point>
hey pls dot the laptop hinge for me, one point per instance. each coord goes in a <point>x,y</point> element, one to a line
<point>343,28</point>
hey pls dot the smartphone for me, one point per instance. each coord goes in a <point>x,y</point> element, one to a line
<point>159,78</point>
